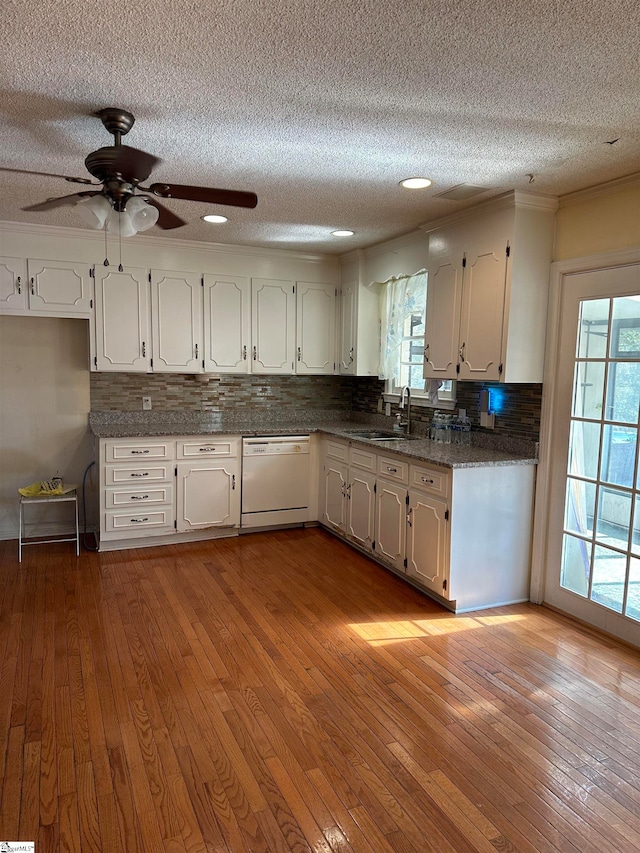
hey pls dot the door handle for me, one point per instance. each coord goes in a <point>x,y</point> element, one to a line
<point>409,516</point>
<point>19,284</point>
<point>233,481</point>
<point>244,352</point>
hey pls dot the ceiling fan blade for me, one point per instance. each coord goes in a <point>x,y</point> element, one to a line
<point>48,175</point>
<point>205,194</point>
<point>134,165</point>
<point>167,219</point>
<point>63,201</point>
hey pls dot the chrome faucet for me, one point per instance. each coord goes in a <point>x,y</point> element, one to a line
<point>405,424</point>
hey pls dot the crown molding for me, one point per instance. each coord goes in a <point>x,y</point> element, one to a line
<point>597,190</point>
<point>32,229</point>
<point>504,201</point>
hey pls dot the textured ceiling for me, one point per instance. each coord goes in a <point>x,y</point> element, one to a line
<point>321,107</point>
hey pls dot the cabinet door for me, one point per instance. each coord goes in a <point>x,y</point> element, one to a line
<point>347,344</point>
<point>482,313</point>
<point>316,328</point>
<point>208,495</point>
<point>391,522</point>
<point>333,494</point>
<point>361,504</point>
<point>123,329</point>
<point>427,542</point>
<point>176,312</point>
<point>59,287</point>
<point>13,284</point>
<point>444,295</point>
<point>227,324</point>
<point>273,326</point>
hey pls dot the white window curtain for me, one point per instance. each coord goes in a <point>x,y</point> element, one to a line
<point>400,297</point>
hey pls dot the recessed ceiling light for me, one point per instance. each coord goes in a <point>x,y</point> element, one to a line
<point>342,232</point>
<point>214,217</point>
<point>415,183</point>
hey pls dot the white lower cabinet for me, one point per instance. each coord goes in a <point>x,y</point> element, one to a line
<point>157,490</point>
<point>208,495</point>
<point>427,542</point>
<point>391,516</point>
<point>461,534</point>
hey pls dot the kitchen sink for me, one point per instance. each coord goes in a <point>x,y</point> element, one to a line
<point>379,435</point>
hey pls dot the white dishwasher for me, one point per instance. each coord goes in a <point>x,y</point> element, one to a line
<point>275,480</point>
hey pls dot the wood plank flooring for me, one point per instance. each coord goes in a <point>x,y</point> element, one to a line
<point>280,692</point>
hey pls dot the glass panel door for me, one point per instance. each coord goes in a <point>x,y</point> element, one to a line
<point>593,568</point>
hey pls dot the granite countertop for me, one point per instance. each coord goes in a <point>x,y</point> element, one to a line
<point>485,451</point>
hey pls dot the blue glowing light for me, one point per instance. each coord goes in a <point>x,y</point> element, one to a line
<point>496,400</point>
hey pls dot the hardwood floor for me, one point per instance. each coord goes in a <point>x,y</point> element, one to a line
<point>280,692</point>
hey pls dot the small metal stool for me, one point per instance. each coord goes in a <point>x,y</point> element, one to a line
<point>69,495</point>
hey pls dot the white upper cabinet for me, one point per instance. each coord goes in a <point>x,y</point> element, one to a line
<point>13,284</point>
<point>273,326</point>
<point>56,288</point>
<point>227,324</point>
<point>123,326</point>
<point>487,292</point>
<point>359,342</point>
<point>316,328</point>
<point>176,312</point>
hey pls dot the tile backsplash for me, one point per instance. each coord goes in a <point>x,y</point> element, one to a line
<point>517,406</point>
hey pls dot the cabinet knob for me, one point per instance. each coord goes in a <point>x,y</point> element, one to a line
<point>427,480</point>
<point>392,470</point>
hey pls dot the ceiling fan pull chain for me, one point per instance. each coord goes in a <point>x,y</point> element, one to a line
<point>106,259</point>
<point>120,267</point>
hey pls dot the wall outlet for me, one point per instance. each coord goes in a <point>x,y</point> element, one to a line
<point>380,404</point>
<point>146,403</point>
<point>387,409</point>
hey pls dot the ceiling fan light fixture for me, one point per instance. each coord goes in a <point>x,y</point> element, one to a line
<point>143,215</point>
<point>415,183</point>
<point>342,232</point>
<point>121,224</point>
<point>215,218</point>
<point>94,210</point>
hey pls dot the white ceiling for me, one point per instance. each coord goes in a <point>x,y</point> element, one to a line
<point>322,107</point>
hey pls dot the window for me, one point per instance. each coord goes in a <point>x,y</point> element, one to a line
<point>403,313</point>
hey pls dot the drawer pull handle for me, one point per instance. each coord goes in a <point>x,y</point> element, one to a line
<point>427,480</point>
<point>206,449</point>
<point>139,497</point>
<point>19,283</point>
<point>392,470</point>
<point>145,474</point>
<point>138,452</point>
<point>139,520</point>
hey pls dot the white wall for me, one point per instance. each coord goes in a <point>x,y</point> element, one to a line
<point>44,407</point>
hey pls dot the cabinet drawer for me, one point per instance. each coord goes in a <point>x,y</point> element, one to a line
<point>393,469</point>
<point>115,475</point>
<point>431,480</point>
<point>364,459</point>
<point>203,448</point>
<point>119,498</point>
<point>144,449</point>
<point>144,519</point>
<point>337,450</point>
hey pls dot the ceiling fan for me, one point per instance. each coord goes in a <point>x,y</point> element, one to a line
<point>121,170</point>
